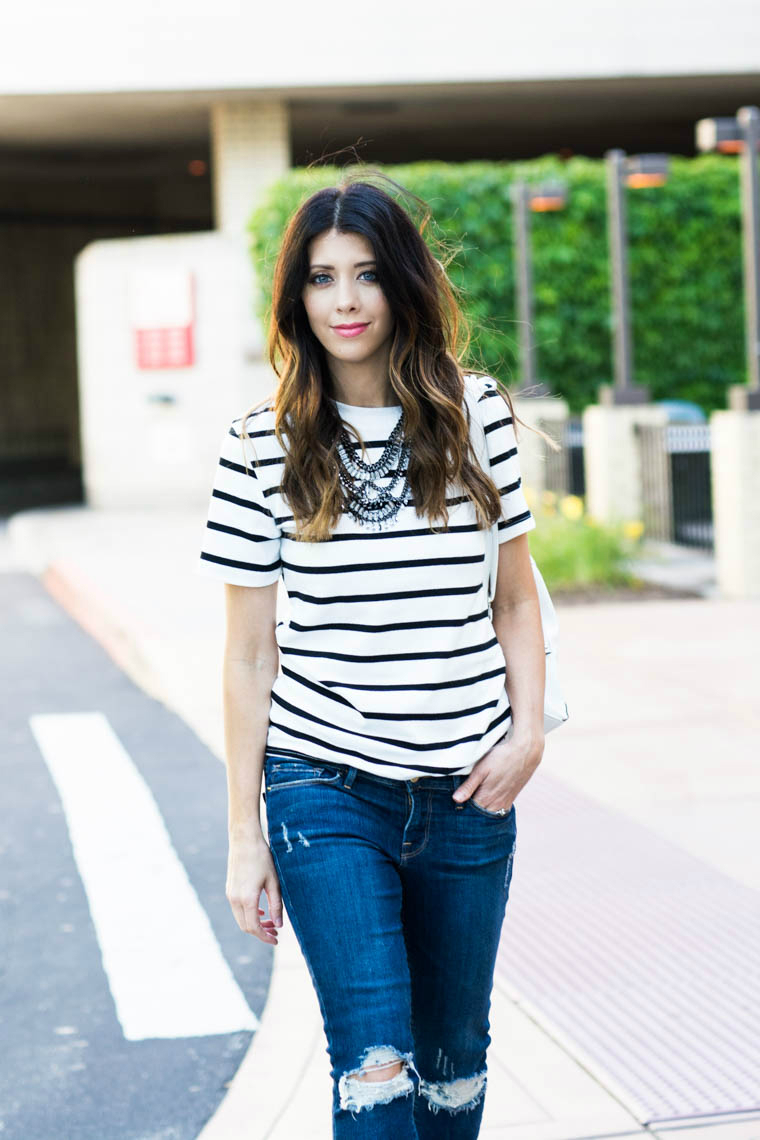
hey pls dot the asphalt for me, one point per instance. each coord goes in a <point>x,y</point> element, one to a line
<point>659,755</point>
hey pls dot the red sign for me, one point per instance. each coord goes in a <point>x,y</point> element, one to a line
<point>162,309</point>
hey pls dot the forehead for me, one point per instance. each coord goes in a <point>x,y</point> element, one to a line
<point>333,248</point>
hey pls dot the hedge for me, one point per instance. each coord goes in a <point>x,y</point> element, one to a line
<point>685,263</point>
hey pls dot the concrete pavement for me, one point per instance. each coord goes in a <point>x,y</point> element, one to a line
<point>664,725</point>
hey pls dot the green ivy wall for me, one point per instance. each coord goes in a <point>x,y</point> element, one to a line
<point>685,266</point>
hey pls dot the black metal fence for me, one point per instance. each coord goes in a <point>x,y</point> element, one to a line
<point>564,472</point>
<point>676,483</point>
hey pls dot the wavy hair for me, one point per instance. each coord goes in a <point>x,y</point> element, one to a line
<point>428,349</point>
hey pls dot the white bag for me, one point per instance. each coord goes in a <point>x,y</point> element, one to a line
<point>555,707</point>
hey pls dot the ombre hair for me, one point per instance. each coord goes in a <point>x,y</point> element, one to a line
<point>428,349</point>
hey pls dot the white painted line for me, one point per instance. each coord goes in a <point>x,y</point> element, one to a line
<point>165,968</point>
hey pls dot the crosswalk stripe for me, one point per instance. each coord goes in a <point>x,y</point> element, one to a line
<point>166,971</point>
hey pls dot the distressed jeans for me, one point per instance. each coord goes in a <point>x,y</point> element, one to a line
<point>397,896</point>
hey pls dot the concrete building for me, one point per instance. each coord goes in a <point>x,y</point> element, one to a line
<point>164,123</point>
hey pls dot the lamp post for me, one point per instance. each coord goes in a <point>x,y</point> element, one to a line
<point>526,200</point>
<point>741,136</point>
<point>635,171</point>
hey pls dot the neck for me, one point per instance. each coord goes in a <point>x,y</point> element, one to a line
<point>364,385</point>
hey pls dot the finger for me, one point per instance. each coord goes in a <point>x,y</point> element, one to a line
<point>274,899</point>
<point>465,790</point>
<point>254,927</point>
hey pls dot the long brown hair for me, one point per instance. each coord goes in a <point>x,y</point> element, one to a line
<point>428,348</point>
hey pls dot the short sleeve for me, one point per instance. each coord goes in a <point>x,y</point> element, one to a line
<point>516,517</point>
<point>241,541</point>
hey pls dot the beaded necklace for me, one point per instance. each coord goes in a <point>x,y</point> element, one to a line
<point>371,505</point>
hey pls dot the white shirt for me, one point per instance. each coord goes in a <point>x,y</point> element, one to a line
<point>389,661</point>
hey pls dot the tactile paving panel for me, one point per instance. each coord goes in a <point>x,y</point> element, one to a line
<point>640,954</point>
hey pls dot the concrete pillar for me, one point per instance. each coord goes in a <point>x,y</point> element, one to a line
<point>548,413</point>
<point>611,459</point>
<point>250,149</point>
<point>735,447</point>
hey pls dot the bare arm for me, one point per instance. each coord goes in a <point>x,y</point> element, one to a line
<point>251,663</point>
<point>503,771</point>
<point>517,625</point>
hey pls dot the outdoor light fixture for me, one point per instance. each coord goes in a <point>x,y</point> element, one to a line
<point>741,135</point>
<point>723,135</point>
<point>635,171</point>
<point>546,196</point>
<point>643,170</point>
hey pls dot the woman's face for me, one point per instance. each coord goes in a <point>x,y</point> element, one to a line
<point>347,310</point>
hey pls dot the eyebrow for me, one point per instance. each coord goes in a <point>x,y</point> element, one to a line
<point>357,264</point>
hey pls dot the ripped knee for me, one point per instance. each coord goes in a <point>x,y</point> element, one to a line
<point>382,1076</point>
<point>460,1095</point>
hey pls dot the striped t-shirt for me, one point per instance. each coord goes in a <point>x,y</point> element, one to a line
<point>388,659</point>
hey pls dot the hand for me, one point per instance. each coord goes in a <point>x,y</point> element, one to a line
<point>250,870</point>
<point>502,772</point>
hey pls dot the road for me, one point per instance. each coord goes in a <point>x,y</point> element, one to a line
<point>129,995</point>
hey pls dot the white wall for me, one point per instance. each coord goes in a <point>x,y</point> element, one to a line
<point>86,45</point>
<point>137,453</point>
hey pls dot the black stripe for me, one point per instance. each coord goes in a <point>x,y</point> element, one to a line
<point>420,687</point>
<point>240,533</point>
<point>387,597</point>
<point>504,455</point>
<point>503,524</point>
<point>389,627</point>
<point>396,564</point>
<point>369,658</point>
<point>454,501</point>
<point>503,422</point>
<point>409,745</point>
<point>425,687</point>
<point>217,494</point>
<point>352,751</point>
<point>237,467</point>
<point>382,536</point>
<point>402,716</point>
<point>240,565</point>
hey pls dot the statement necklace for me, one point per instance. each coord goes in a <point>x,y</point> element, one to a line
<point>371,505</point>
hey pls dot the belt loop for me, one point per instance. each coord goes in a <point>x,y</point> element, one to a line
<point>349,777</point>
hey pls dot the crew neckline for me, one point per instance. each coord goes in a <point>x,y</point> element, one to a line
<point>367,407</point>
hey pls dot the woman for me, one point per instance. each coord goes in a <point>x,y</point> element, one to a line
<point>389,781</point>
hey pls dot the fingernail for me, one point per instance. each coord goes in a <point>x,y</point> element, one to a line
<point>278,921</point>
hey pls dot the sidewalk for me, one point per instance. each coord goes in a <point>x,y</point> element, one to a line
<point>664,725</point>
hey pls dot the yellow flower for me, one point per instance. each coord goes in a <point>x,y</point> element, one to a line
<point>634,529</point>
<point>572,507</point>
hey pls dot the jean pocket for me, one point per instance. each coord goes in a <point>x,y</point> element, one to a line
<point>284,772</point>
<point>488,813</point>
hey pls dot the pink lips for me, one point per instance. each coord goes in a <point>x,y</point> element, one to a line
<point>349,330</point>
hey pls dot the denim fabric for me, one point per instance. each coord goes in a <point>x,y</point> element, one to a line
<point>397,896</point>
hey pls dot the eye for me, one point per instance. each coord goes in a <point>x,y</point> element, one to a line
<point>315,278</point>
<point>370,273</point>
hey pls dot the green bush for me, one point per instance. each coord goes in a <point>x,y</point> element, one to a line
<point>685,269</point>
<point>580,551</point>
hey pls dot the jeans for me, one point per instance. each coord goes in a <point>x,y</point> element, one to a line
<point>397,896</point>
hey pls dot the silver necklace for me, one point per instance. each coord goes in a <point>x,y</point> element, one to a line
<point>371,505</point>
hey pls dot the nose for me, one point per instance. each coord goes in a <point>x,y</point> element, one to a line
<point>346,301</point>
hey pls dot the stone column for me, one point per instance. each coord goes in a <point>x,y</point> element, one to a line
<point>612,459</point>
<point>735,448</point>
<point>250,149</point>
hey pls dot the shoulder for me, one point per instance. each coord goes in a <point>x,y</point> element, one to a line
<point>256,431</point>
<point>252,434</point>
<point>480,386</point>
